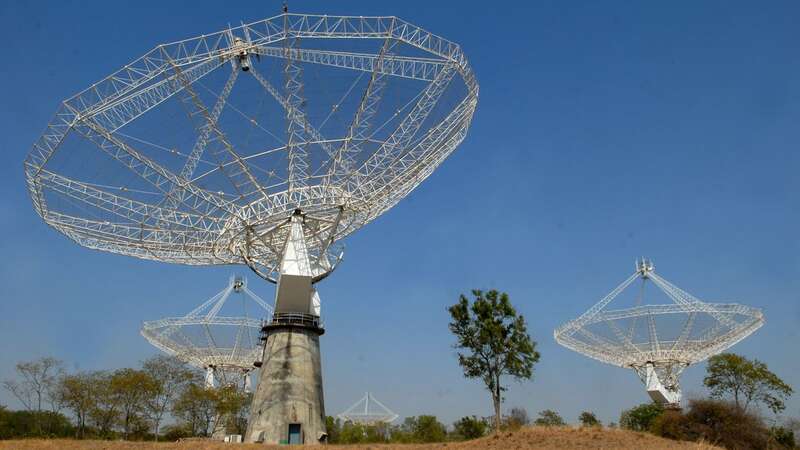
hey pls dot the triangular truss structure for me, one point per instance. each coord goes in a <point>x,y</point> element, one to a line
<point>368,410</point>
<point>199,151</point>
<point>224,346</point>
<point>658,341</point>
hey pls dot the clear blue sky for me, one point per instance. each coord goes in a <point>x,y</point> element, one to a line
<point>605,131</point>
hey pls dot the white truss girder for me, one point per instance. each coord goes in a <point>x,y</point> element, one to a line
<point>344,187</point>
<point>423,69</point>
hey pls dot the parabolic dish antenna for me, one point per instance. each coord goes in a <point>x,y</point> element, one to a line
<point>199,151</point>
<point>657,341</point>
<point>210,338</point>
<point>369,411</point>
<point>263,144</point>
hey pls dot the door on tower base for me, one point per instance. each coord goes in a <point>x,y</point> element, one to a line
<point>295,434</point>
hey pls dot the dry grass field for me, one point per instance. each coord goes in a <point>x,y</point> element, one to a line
<point>527,438</point>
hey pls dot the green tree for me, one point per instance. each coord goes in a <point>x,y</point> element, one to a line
<point>404,433</point>
<point>77,392</point>
<point>494,341</point>
<point>228,403</point>
<point>105,411</point>
<point>131,389</point>
<point>588,419</point>
<point>195,407</point>
<point>549,418</point>
<point>334,427</point>
<point>377,433</point>
<point>429,429</point>
<point>747,381</point>
<point>352,433</point>
<point>170,376</point>
<point>469,428</point>
<point>640,418</point>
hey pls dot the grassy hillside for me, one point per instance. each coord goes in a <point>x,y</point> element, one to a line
<point>527,438</point>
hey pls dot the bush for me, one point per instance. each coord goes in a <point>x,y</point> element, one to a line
<point>516,419</point>
<point>419,429</point>
<point>27,424</point>
<point>469,428</point>
<point>173,433</point>
<point>588,419</point>
<point>640,418</point>
<point>429,429</point>
<point>783,436</point>
<point>549,418</point>
<point>672,425</point>
<point>718,422</point>
<point>334,427</point>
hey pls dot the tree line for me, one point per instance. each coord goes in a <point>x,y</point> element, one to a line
<point>127,403</point>
<point>493,344</point>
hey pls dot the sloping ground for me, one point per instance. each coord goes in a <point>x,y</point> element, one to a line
<point>528,438</point>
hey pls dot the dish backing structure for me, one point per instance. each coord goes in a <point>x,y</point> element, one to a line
<point>657,341</point>
<point>264,144</point>
<point>226,347</point>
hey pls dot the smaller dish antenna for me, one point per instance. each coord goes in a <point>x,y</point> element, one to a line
<point>657,340</point>
<point>221,336</point>
<point>368,411</point>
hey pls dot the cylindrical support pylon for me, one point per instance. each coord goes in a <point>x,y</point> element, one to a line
<point>288,406</point>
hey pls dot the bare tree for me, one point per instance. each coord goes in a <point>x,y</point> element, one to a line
<point>37,384</point>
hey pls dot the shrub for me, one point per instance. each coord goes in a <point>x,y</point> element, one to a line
<point>429,429</point>
<point>719,422</point>
<point>588,419</point>
<point>516,419</point>
<point>641,417</point>
<point>469,428</point>
<point>549,418</point>
<point>783,436</point>
<point>175,432</point>
<point>673,425</point>
<point>418,429</point>
<point>725,424</point>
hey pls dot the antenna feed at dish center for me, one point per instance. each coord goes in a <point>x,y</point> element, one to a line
<point>644,266</point>
<point>238,284</point>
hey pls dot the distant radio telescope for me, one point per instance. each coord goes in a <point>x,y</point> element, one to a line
<point>263,144</point>
<point>657,341</point>
<point>221,336</point>
<point>369,411</point>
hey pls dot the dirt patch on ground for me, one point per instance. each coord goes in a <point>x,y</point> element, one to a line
<point>525,439</point>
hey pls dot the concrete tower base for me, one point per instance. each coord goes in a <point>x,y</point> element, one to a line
<point>288,406</point>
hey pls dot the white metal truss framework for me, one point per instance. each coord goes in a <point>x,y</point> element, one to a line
<point>368,410</point>
<point>225,346</point>
<point>347,188</point>
<point>658,359</point>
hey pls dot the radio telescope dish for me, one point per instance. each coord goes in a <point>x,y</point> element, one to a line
<point>657,341</point>
<point>369,411</point>
<point>200,151</point>
<point>264,144</point>
<point>224,346</point>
